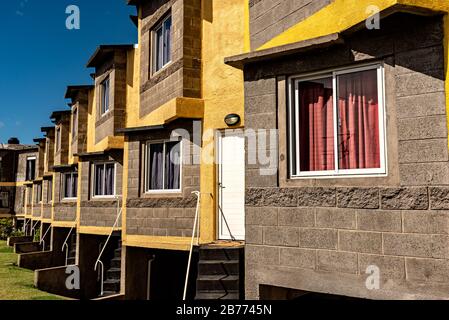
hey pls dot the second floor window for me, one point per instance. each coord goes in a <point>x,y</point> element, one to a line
<point>75,122</point>
<point>162,44</point>
<point>70,185</point>
<point>58,139</point>
<point>38,198</point>
<point>49,191</point>
<point>105,88</point>
<point>31,169</point>
<point>104,180</point>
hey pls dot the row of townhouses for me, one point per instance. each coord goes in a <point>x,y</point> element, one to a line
<point>258,149</point>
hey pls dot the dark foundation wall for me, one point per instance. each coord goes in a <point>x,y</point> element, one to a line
<point>320,235</point>
<point>168,272</point>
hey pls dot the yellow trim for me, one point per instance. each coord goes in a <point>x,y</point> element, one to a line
<point>168,243</point>
<point>174,109</point>
<point>46,221</point>
<point>8,184</point>
<point>125,189</point>
<point>96,230</point>
<point>108,143</point>
<point>64,224</point>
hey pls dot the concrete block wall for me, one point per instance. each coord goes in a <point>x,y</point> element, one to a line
<point>79,141</point>
<point>321,234</point>
<point>99,212</point>
<point>181,78</point>
<point>269,18</point>
<point>61,156</point>
<point>115,69</point>
<point>162,214</point>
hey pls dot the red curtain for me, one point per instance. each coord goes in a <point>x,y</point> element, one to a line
<point>358,127</point>
<point>316,125</point>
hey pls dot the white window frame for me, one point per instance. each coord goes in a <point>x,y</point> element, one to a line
<point>94,179</point>
<point>146,167</point>
<point>35,167</point>
<point>101,89</point>
<point>64,186</point>
<point>293,132</point>
<point>154,51</point>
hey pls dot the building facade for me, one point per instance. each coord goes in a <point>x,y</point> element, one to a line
<point>274,149</point>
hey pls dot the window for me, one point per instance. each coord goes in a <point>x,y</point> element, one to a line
<point>58,139</point>
<point>337,123</point>
<point>31,169</point>
<point>162,44</point>
<point>29,196</point>
<point>163,166</point>
<point>104,180</point>
<point>4,200</point>
<point>70,185</point>
<point>38,196</point>
<point>49,191</point>
<point>75,122</point>
<point>104,94</point>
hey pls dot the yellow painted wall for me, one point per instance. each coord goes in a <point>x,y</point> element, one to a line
<point>226,34</point>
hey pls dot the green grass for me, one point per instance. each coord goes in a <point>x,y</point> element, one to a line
<point>17,283</point>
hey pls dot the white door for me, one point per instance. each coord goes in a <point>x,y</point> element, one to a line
<point>231,185</point>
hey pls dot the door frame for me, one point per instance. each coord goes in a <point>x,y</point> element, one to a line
<point>218,147</point>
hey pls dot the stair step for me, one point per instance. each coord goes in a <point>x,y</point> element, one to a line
<point>118,253</point>
<point>217,295</point>
<point>218,267</point>
<point>71,261</point>
<point>217,283</point>
<point>114,273</point>
<point>116,263</point>
<point>214,253</point>
<point>111,285</point>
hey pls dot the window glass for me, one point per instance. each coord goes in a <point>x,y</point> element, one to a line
<point>70,185</point>
<point>162,44</point>
<point>163,166</point>
<point>31,169</point>
<point>4,200</point>
<point>337,124</point>
<point>104,179</point>
<point>105,94</point>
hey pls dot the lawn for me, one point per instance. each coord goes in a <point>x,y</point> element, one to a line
<point>17,283</point>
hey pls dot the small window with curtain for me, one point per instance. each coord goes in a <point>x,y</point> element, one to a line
<point>163,167</point>
<point>162,44</point>
<point>31,168</point>
<point>50,191</point>
<point>70,185</point>
<point>105,88</point>
<point>38,196</point>
<point>337,123</point>
<point>104,180</point>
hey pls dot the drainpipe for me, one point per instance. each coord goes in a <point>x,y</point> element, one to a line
<point>150,262</point>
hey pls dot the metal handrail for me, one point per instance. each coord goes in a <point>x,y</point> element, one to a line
<point>66,245</point>
<point>33,227</point>
<point>226,222</point>
<point>25,226</point>
<point>99,262</point>
<point>43,238</point>
<point>195,228</point>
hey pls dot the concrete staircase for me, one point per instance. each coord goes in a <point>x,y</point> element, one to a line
<point>111,285</point>
<point>72,249</point>
<point>220,273</point>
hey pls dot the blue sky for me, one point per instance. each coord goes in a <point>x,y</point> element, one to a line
<point>39,56</point>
